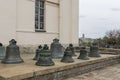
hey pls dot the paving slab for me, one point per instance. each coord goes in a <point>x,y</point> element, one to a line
<point>108,73</point>
<point>27,69</point>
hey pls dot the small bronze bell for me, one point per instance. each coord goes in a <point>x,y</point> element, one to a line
<point>45,47</point>
<point>94,51</point>
<point>37,53</point>
<point>45,58</point>
<point>72,49</point>
<point>83,54</point>
<point>67,58</point>
<point>56,49</point>
<point>12,54</point>
<point>2,51</point>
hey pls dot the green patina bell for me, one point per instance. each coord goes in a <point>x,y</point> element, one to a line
<point>67,58</point>
<point>94,51</point>
<point>2,51</point>
<point>83,54</point>
<point>37,53</point>
<point>45,58</point>
<point>56,49</point>
<point>72,49</point>
<point>12,54</point>
<point>45,47</point>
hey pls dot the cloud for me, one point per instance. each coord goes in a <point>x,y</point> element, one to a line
<point>115,9</point>
<point>102,18</point>
<point>98,17</point>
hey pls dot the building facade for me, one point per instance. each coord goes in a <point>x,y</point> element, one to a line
<point>33,22</point>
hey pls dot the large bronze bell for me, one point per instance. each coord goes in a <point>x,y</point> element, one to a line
<point>56,49</point>
<point>72,49</point>
<point>37,52</point>
<point>45,58</point>
<point>83,54</point>
<point>2,51</point>
<point>94,51</point>
<point>67,58</point>
<point>12,54</point>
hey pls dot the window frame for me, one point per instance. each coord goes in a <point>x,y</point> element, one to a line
<point>38,20</point>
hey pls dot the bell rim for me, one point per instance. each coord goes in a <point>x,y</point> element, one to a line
<point>71,61</point>
<point>84,58</point>
<point>52,64</point>
<point>12,62</point>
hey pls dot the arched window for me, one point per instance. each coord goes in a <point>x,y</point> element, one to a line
<point>39,15</point>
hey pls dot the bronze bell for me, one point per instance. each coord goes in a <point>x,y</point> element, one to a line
<point>45,47</point>
<point>83,54</point>
<point>94,51</point>
<point>72,49</point>
<point>45,58</point>
<point>37,52</point>
<point>56,49</point>
<point>2,51</point>
<point>12,54</point>
<point>67,58</point>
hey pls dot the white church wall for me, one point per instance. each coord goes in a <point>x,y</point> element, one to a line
<point>69,21</point>
<point>26,20</point>
<point>54,1</point>
<point>52,18</point>
<point>17,20</point>
<point>7,20</point>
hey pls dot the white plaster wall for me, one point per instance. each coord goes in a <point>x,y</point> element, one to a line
<point>31,38</point>
<point>75,21</point>
<point>55,1</point>
<point>69,21</point>
<point>7,20</point>
<point>25,15</point>
<point>52,18</point>
<point>65,21</point>
<point>17,21</point>
<point>26,19</point>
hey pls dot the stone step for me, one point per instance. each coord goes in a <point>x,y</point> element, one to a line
<point>29,71</point>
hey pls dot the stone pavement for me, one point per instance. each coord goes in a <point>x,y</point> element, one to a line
<point>28,68</point>
<point>108,73</point>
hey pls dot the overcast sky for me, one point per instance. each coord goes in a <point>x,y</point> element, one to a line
<point>98,16</point>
